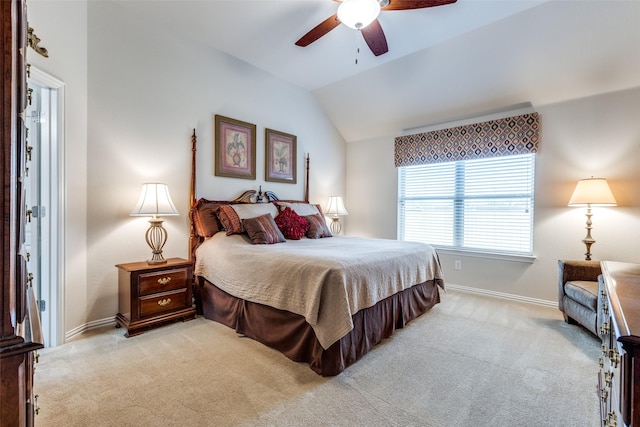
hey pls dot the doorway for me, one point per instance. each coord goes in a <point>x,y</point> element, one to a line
<point>44,194</point>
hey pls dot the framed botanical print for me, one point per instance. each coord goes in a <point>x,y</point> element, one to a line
<point>280,157</point>
<point>235,148</point>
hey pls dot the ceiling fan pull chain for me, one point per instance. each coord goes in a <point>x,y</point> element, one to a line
<point>357,47</point>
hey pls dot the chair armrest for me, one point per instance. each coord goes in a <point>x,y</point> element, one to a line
<point>579,270</point>
<point>600,316</point>
<point>569,270</point>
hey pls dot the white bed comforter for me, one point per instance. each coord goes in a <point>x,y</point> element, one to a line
<point>325,280</point>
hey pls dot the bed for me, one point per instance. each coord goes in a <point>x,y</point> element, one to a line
<point>319,299</point>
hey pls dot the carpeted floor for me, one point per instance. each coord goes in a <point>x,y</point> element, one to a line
<point>470,361</point>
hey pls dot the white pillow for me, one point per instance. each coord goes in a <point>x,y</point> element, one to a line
<point>302,209</point>
<point>253,210</point>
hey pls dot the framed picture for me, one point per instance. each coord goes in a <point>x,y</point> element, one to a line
<point>235,148</point>
<point>280,157</point>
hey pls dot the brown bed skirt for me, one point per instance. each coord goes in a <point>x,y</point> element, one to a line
<point>290,334</point>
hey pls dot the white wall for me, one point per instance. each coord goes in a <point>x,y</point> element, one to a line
<point>147,91</point>
<point>142,92</point>
<point>134,94</point>
<point>62,26</point>
<point>595,136</point>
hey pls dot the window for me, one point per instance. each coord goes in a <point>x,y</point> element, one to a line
<point>481,205</point>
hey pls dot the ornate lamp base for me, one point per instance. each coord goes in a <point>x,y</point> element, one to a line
<point>588,240</point>
<point>335,226</point>
<point>156,237</point>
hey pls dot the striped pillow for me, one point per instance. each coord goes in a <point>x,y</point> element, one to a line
<point>230,220</point>
<point>205,217</point>
<point>231,216</point>
<point>263,230</point>
<point>317,227</point>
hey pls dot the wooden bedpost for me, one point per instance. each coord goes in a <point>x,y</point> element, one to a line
<point>192,196</point>
<point>192,192</point>
<point>193,239</point>
<point>306,180</point>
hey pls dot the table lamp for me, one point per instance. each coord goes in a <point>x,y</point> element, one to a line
<point>155,201</point>
<point>335,208</point>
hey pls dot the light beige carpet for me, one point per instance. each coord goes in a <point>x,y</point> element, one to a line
<point>470,361</point>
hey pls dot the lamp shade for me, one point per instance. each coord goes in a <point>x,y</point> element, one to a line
<point>592,191</point>
<point>357,14</point>
<point>335,207</point>
<point>154,200</point>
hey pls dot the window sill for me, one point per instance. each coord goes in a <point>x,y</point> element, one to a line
<point>529,259</point>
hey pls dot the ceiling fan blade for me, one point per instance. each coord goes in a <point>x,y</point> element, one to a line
<point>374,36</point>
<point>319,30</point>
<point>414,4</point>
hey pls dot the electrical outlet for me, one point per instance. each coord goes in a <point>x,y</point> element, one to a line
<point>458,264</point>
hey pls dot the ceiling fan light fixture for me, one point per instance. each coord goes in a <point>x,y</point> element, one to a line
<point>357,14</point>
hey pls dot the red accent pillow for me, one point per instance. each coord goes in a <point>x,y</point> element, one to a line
<point>292,225</point>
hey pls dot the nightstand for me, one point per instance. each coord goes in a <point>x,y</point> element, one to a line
<point>150,294</point>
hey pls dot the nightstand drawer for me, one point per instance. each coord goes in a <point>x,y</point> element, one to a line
<point>166,301</point>
<point>161,281</point>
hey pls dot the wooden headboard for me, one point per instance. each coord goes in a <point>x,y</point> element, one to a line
<point>249,196</point>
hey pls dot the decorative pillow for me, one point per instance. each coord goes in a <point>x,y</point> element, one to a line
<point>230,220</point>
<point>292,225</point>
<point>317,227</point>
<point>231,216</point>
<point>301,208</point>
<point>205,218</point>
<point>263,230</point>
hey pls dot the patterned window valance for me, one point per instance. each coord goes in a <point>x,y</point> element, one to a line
<point>494,138</point>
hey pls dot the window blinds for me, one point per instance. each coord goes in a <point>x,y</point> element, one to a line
<point>481,205</point>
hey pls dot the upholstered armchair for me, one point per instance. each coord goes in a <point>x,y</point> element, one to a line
<point>578,296</point>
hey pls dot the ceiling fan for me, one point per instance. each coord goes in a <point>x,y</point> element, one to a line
<point>362,15</point>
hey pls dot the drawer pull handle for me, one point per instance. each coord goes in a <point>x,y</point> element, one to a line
<point>36,407</point>
<point>164,302</point>
<point>608,378</point>
<point>604,328</point>
<point>614,357</point>
<point>164,280</point>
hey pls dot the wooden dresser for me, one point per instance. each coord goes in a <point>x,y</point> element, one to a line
<point>20,329</point>
<point>619,376</point>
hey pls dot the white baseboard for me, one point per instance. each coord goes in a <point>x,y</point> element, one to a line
<point>108,321</point>
<point>502,295</point>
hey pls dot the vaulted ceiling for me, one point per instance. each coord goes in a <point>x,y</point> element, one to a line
<point>444,63</point>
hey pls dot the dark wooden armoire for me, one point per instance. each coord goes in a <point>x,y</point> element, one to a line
<point>20,329</point>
